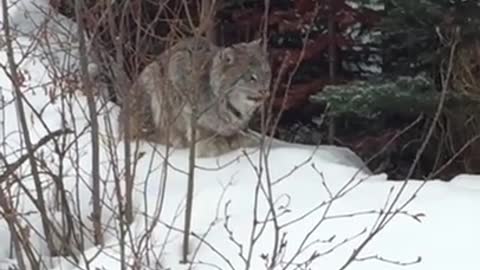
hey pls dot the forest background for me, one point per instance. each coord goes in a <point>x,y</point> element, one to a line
<point>372,75</point>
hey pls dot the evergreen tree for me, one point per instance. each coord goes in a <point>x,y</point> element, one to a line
<point>417,38</point>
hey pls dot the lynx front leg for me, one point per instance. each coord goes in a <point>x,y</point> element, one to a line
<point>138,116</point>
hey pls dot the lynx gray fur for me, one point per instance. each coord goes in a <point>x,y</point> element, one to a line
<point>223,87</point>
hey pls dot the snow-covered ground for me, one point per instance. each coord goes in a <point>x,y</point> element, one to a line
<point>326,206</point>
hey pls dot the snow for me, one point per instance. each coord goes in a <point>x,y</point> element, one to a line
<point>330,202</point>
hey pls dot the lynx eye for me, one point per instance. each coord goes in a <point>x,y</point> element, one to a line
<point>253,78</point>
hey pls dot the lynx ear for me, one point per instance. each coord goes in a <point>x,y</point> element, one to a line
<point>256,42</point>
<point>228,55</point>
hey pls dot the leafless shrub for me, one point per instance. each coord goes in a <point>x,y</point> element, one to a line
<point>114,211</point>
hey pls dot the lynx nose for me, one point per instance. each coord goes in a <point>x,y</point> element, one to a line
<point>265,93</point>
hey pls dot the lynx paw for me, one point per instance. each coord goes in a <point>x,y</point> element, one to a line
<point>212,147</point>
<point>244,140</point>
<point>221,145</point>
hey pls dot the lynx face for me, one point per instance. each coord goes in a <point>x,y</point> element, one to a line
<point>241,76</point>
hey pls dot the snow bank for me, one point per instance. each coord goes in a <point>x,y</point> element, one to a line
<point>326,206</point>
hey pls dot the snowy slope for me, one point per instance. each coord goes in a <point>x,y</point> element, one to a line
<point>326,206</point>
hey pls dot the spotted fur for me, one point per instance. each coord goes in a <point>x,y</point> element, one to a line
<point>223,87</point>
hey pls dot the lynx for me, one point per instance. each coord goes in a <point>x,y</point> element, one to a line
<point>221,86</point>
